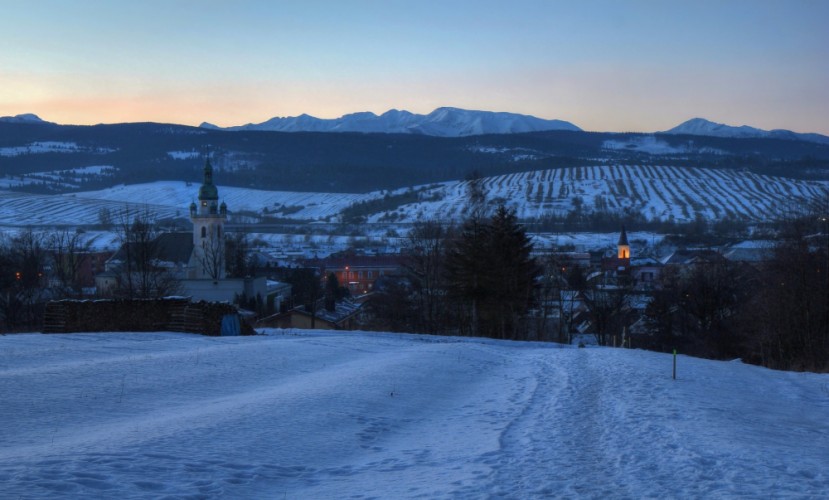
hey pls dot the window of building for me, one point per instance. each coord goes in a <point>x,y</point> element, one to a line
<point>203,232</point>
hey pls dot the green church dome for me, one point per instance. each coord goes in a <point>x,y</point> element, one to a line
<point>208,192</point>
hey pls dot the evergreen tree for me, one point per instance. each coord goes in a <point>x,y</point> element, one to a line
<point>467,267</point>
<point>492,276</point>
<point>514,273</point>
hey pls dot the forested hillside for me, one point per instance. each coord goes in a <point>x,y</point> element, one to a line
<point>360,163</point>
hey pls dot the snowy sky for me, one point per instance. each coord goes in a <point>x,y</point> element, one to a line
<point>601,64</point>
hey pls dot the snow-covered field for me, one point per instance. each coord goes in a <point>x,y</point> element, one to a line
<point>657,192</point>
<point>181,194</point>
<point>358,415</point>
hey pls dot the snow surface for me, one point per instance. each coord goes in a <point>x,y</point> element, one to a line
<point>652,145</point>
<point>52,147</point>
<point>361,415</point>
<point>184,155</point>
<point>58,179</point>
<point>179,195</point>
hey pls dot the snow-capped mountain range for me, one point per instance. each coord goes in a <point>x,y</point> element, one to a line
<point>701,126</point>
<point>456,122</point>
<point>442,122</point>
<point>24,118</point>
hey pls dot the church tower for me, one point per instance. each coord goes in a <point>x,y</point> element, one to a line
<point>623,253</point>
<point>208,230</point>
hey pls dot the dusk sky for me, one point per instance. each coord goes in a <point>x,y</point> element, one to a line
<point>602,65</point>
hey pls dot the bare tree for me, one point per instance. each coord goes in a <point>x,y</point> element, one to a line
<point>608,305</point>
<point>237,246</point>
<point>68,249</point>
<point>557,298</point>
<point>426,248</point>
<point>22,287</point>
<point>142,273</point>
<point>213,253</point>
<point>790,314</point>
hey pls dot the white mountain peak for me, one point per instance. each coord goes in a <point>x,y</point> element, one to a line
<point>22,118</point>
<point>701,126</point>
<point>445,122</point>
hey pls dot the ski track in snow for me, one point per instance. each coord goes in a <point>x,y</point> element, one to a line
<point>354,415</point>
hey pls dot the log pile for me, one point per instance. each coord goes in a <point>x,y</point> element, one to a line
<point>137,315</point>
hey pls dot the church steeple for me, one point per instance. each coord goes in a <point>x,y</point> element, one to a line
<point>623,246</point>
<point>208,191</point>
<point>208,219</point>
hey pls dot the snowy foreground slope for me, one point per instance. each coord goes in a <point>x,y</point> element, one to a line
<point>339,415</point>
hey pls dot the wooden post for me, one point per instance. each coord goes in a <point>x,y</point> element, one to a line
<point>674,364</point>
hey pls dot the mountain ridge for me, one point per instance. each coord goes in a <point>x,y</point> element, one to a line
<point>702,126</point>
<point>457,122</point>
<point>23,118</point>
<point>442,122</point>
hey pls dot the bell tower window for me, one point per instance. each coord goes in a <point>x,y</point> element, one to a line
<point>203,232</point>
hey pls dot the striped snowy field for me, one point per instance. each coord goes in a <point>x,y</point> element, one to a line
<point>657,192</point>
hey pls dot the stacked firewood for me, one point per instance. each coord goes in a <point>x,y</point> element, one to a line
<point>138,315</point>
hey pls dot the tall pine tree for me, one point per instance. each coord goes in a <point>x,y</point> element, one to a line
<point>491,275</point>
<point>514,273</point>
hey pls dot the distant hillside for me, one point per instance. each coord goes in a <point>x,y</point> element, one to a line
<point>653,192</point>
<point>41,157</point>
<point>642,192</point>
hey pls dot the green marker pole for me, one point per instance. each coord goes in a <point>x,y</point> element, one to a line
<point>674,364</point>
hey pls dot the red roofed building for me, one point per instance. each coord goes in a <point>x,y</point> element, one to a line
<point>359,272</point>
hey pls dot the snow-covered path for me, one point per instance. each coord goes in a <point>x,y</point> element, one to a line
<point>337,415</point>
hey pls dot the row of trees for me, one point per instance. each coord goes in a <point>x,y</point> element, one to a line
<point>775,314</point>
<point>35,267</point>
<point>479,279</point>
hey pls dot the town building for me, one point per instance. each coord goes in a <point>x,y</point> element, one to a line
<point>359,273</point>
<point>194,262</point>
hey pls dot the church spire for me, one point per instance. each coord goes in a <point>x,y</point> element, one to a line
<point>623,238</point>
<point>623,246</point>
<point>208,190</point>
<point>208,172</point>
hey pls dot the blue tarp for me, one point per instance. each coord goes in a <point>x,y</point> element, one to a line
<point>230,325</point>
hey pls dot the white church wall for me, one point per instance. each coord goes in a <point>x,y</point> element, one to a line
<point>225,290</point>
